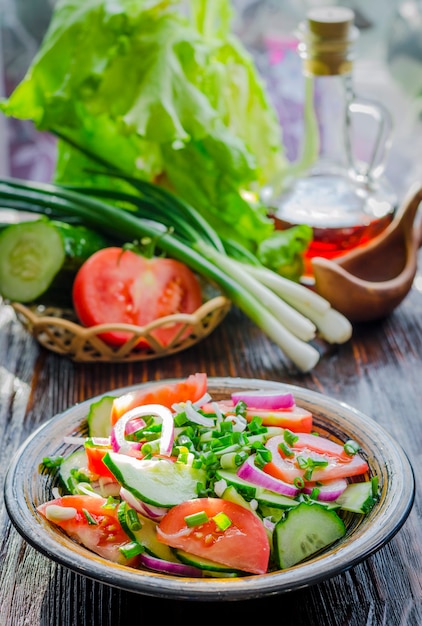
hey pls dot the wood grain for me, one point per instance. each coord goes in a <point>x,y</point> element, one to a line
<point>379,372</point>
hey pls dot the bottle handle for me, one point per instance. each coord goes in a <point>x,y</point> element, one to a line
<point>373,166</point>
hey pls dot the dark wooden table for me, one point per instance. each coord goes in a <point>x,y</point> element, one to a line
<point>379,372</point>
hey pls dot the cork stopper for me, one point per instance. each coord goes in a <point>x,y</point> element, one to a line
<point>330,23</point>
<point>327,39</point>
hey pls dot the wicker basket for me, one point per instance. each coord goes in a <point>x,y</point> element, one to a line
<point>58,330</point>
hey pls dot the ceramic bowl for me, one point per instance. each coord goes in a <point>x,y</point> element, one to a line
<point>26,487</point>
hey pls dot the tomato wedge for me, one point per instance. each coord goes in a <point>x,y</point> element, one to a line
<point>296,418</point>
<point>193,388</point>
<point>91,523</point>
<point>95,463</point>
<point>242,546</point>
<point>116,285</point>
<point>312,449</point>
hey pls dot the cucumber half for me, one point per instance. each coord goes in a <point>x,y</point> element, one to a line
<point>31,254</point>
<point>99,417</point>
<point>304,531</point>
<point>158,482</point>
<point>146,535</point>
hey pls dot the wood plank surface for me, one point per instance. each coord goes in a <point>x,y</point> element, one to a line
<point>378,372</point>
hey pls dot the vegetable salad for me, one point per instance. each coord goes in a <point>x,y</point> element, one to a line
<point>171,480</point>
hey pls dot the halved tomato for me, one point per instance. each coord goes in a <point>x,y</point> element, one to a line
<point>312,449</point>
<point>94,525</point>
<point>243,545</point>
<point>295,418</point>
<point>192,388</point>
<point>116,285</point>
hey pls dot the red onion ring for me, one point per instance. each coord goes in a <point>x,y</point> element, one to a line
<point>155,513</point>
<point>248,471</point>
<point>119,442</point>
<point>329,491</point>
<point>267,400</point>
<point>168,567</point>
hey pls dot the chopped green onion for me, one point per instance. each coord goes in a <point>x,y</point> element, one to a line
<point>91,521</point>
<point>289,437</point>
<point>255,425</point>
<point>196,519</point>
<point>351,447</point>
<point>315,493</point>
<point>180,419</point>
<point>151,447</point>
<point>51,462</point>
<point>133,520</point>
<point>285,449</point>
<point>129,550</point>
<point>232,460</point>
<point>222,521</point>
<point>241,408</point>
<point>111,503</point>
<point>197,464</point>
<point>299,482</point>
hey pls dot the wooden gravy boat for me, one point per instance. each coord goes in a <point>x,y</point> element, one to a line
<point>370,281</point>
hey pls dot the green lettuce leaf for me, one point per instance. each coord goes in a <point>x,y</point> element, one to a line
<point>160,93</point>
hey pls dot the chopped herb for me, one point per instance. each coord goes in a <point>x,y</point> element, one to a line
<point>351,447</point>
<point>91,521</point>
<point>129,550</point>
<point>222,520</point>
<point>196,519</point>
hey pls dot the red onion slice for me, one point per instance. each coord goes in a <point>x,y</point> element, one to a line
<point>119,442</point>
<point>248,471</point>
<point>168,567</point>
<point>268,400</point>
<point>155,513</point>
<point>328,491</point>
<point>101,441</point>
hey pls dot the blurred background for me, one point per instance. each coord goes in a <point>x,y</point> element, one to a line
<point>388,68</point>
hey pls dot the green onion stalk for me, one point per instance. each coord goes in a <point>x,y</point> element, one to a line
<point>289,315</point>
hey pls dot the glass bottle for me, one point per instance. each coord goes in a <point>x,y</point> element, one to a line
<point>336,186</point>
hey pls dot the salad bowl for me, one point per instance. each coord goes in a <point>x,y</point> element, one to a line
<point>27,486</point>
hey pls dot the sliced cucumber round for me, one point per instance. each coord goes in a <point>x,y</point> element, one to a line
<point>99,417</point>
<point>204,564</point>
<point>146,535</point>
<point>156,481</point>
<point>75,461</point>
<point>305,530</point>
<point>245,488</point>
<point>31,255</point>
<point>359,497</point>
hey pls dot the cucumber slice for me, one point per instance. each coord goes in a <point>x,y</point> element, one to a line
<point>204,564</point>
<point>98,418</point>
<point>77,460</point>
<point>246,489</point>
<point>159,482</point>
<point>43,255</point>
<point>274,500</point>
<point>359,497</point>
<point>31,255</point>
<point>146,536</point>
<point>232,495</point>
<point>305,530</point>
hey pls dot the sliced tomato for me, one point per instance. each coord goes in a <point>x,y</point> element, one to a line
<point>339,464</point>
<point>91,523</point>
<point>95,460</point>
<point>296,419</point>
<point>242,546</point>
<point>116,285</point>
<point>192,388</point>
